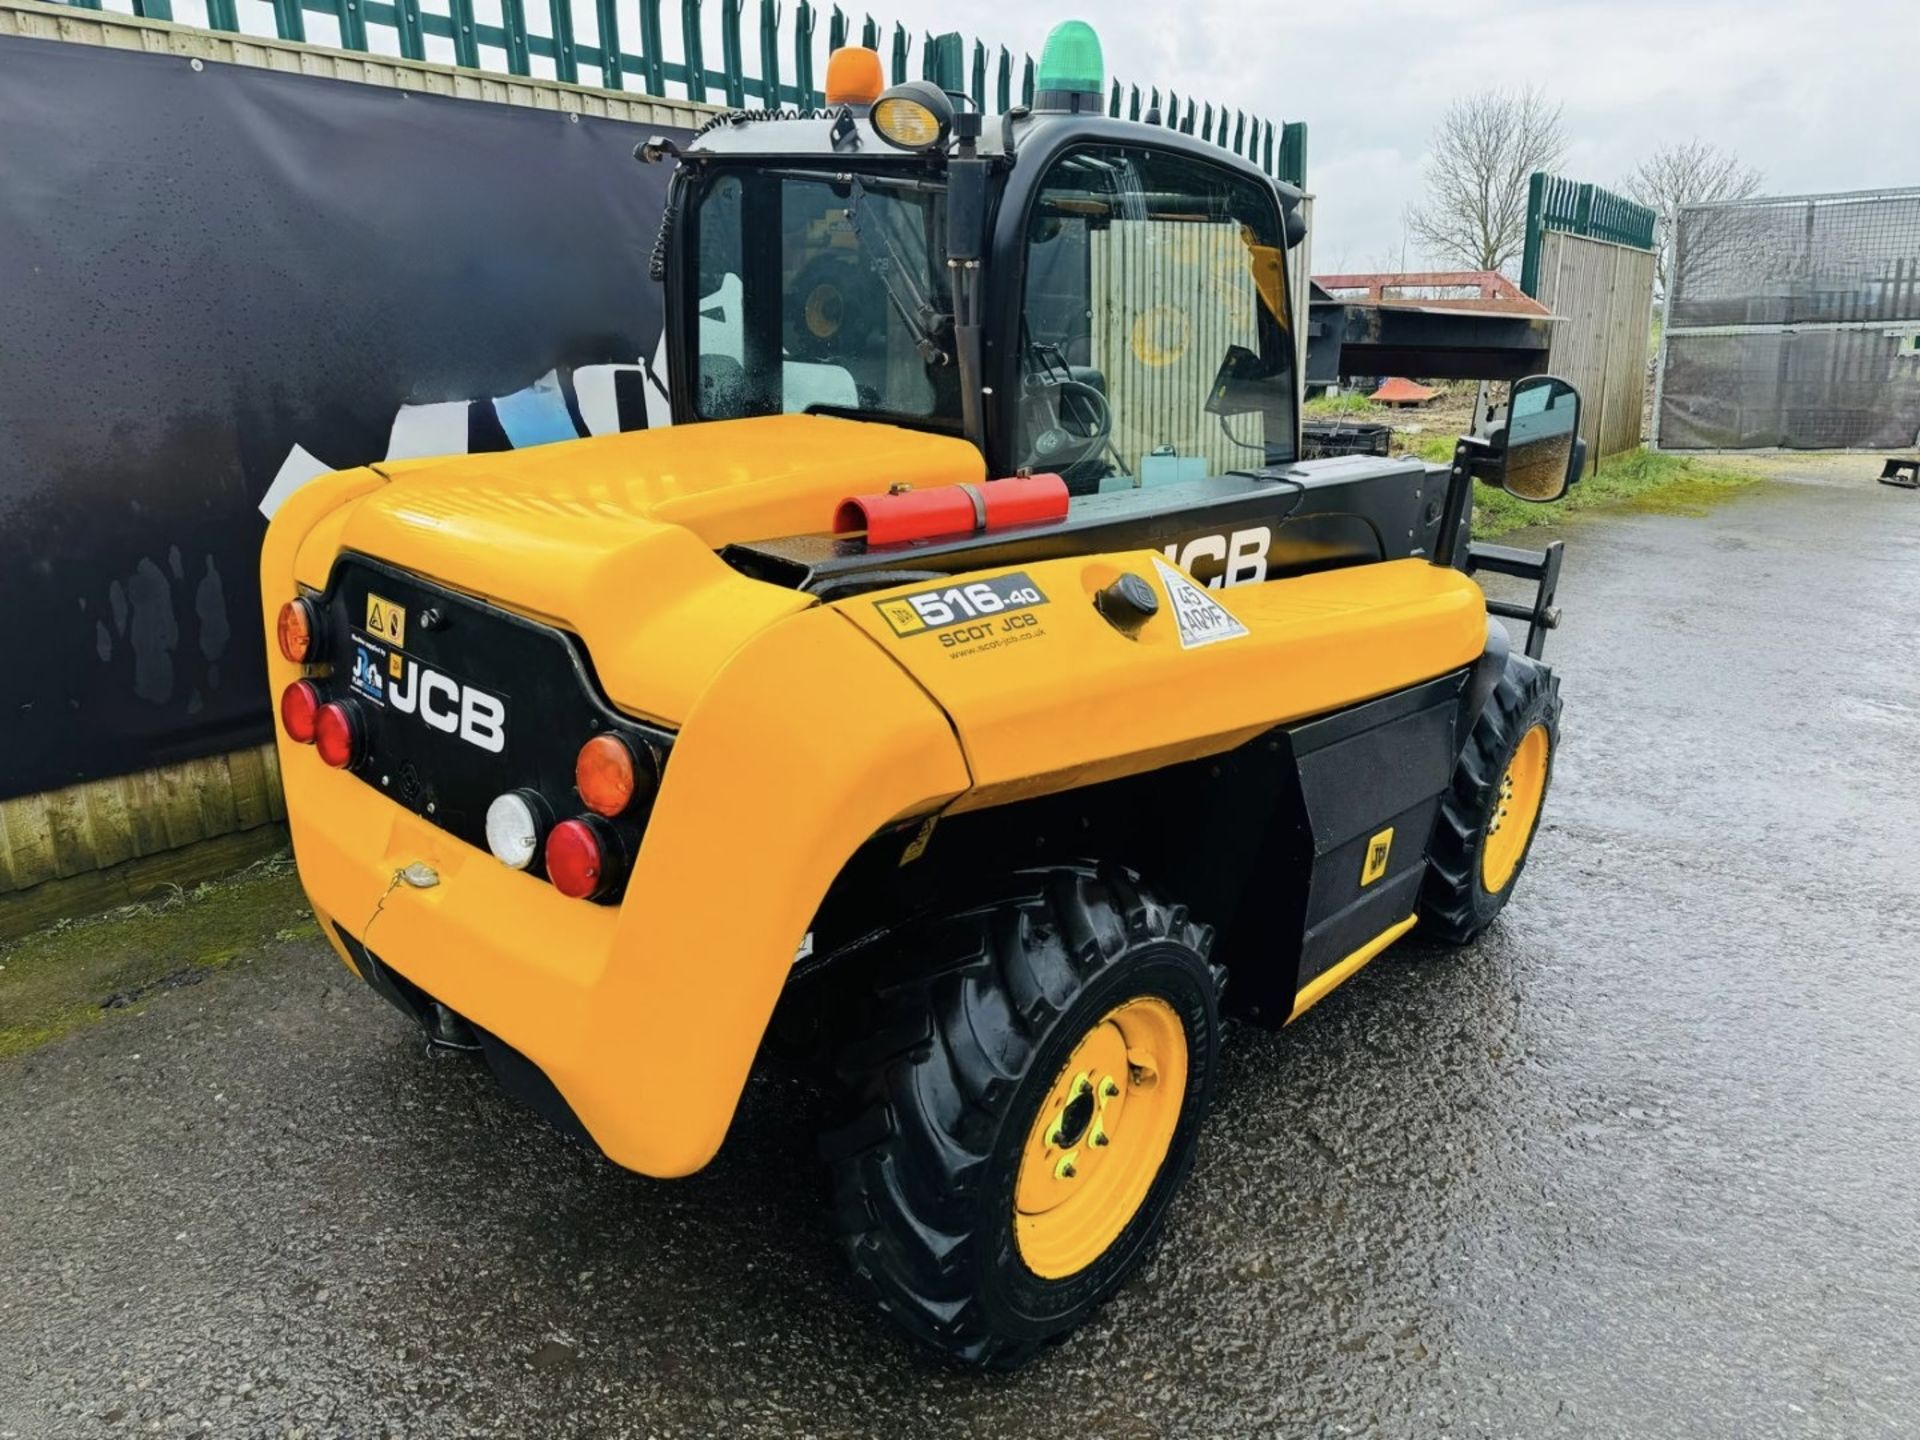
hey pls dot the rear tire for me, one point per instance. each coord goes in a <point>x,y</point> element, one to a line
<point>1492,810</point>
<point>983,1093</point>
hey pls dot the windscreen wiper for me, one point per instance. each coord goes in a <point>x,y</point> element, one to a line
<point>922,319</point>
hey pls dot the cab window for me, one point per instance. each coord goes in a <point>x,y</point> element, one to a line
<point>1157,341</point>
<point>814,294</point>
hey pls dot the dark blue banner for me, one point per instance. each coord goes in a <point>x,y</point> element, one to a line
<point>218,281</point>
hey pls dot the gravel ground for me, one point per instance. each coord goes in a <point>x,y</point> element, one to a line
<point>1640,1163</point>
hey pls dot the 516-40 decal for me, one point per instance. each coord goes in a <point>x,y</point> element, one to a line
<point>973,601</point>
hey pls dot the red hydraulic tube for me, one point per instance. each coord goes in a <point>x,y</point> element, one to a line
<point>953,509</point>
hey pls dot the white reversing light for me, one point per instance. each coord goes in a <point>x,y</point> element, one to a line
<point>513,830</point>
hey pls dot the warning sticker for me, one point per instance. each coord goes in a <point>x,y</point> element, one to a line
<point>1201,618</point>
<point>386,620</point>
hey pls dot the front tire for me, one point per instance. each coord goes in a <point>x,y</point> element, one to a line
<point>1491,811</point>
<point>1027,1105</point>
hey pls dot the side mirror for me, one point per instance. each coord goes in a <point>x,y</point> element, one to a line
<point>1538,453</point>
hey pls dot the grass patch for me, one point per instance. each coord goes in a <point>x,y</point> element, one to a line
<point>1638,480</point>
<point>1435,448</point>
<point>77,972</point>
<point>1349,406</point>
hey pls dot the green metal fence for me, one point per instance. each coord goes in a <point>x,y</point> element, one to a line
<point>1554,203</point>
<point>623,45</point>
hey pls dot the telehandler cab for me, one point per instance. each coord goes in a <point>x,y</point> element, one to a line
<point>594,752</point>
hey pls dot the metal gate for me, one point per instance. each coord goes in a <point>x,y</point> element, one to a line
<point>1794,323</point>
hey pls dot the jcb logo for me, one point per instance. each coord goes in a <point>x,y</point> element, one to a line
<point>450,707</point>
<point>1241,556</point>
<point>1379,848</point>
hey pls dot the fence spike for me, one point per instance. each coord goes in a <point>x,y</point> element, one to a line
<point>1003,82</point>
<point>870,33</point>
<point>413,39</point>
<point>1113,101</point>
<point>512,11</point>
<point>769,54</point>
<point>902,43</point>
<point>979,91</point>
<point>565,64</point>
<point>693,42</point>
<point>943,61</point>
<point>805,21</point>
<point>652,51</point>
<point>1293,153</point>
<point>609,17</point>
<point>1133,102</point>
<point>733,62</point>
<point>1026,82</point>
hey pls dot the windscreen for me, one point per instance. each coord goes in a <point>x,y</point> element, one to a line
<point>1157,338</point>
<point>823,294</point>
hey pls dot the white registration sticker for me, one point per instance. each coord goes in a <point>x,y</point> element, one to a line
<point>1202,619</point>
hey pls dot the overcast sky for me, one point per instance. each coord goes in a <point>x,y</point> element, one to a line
<point>1819,96</point>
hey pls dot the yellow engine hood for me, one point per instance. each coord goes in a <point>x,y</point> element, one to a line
<point>613,538</point>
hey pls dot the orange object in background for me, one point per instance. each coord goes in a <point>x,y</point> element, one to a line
<point>1402,392</point>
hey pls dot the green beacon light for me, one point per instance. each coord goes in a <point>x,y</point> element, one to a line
<point>1072,70</point>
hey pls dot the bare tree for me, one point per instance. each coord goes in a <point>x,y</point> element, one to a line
<point>1483,154</point>
<point>1691,172</point>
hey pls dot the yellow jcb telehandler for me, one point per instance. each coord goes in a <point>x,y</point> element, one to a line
<point>1010,786</point>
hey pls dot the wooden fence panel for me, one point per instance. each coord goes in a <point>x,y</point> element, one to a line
<point>59,834</point>
<point>1603,296</point>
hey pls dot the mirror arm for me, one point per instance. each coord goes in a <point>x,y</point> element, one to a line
<point>1470,454</point>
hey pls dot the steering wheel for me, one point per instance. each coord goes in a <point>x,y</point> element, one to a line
<point>1076,423</point>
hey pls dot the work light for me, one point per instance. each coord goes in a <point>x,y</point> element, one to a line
<point>913,116</point>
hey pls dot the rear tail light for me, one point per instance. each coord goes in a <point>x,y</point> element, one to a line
<point>300,710</point>
<point>516,823</point>
<point>608,776</point>
<point>581,860</point>
<point>296,628</point>
<point>338,734</point>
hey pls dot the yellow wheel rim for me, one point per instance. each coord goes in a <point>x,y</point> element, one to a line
<point>1100,1138</point>
<point>823,311</point>
<point>1515,809</point>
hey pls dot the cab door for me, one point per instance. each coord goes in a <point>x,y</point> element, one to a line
<point>1154,341</point>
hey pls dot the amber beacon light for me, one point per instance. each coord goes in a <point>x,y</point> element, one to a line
<point>854,76</point>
